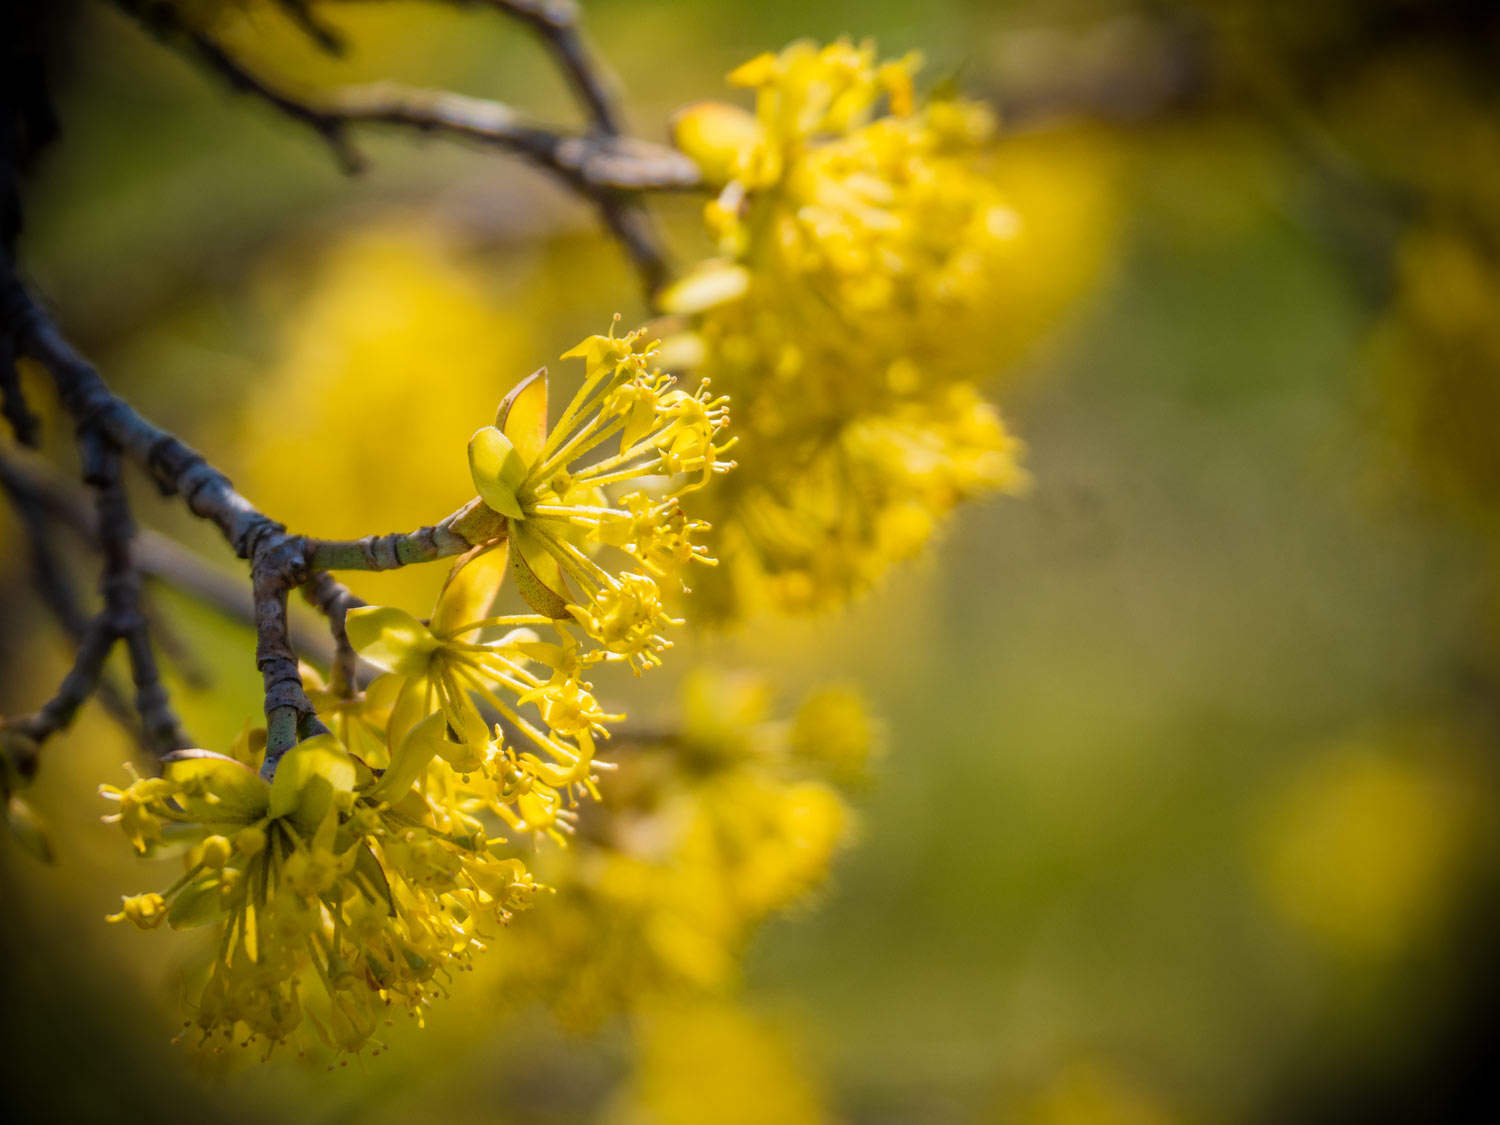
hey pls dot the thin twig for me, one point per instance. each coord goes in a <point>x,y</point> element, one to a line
<point>626,216</point>
<point>557,22</point>
<point>592,163</point>
<point>50,576</point>
<point>156,556</point>
<point>335,600</point>
<point>122,616</point>
<point>608,169</point>
<point>330,127</point>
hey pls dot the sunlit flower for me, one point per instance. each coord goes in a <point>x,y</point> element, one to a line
<point>335,890</point>
<point>640,431</point>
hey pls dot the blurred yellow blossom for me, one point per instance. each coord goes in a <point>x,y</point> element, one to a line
<point>712,1061</point>
<point>387,313</point>
<point>703,834</point>
<point>872,271</point>
<point>1364,847</point>
<point>1089,1092</point>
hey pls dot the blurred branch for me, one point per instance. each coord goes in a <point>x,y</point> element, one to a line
<point>601,164</point>
<point>157,556</point>
<point>279,560</point>
<point>121,586</point>
<point>557,22</point>
<point>120,619</point>
<point>50,576</point>
<point>594,164</point>
<point>329,126</point>
<point>608,169</point>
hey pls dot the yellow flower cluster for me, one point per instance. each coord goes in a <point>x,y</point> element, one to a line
<point>712,1060</point>
<point>710,830</point>
<point>369,862</point>
<point>644,436</point>
<point>866,251</point>
<point>338,891</point>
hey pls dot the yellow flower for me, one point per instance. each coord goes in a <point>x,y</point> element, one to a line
<point>144,911</point>
<point>558,506</point>
<point>335,890</point>
<point>866,253</point>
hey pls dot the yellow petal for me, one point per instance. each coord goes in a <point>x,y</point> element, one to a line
<point>390,638</point>
<point>471,589</point>
<point>758,71</point>
<point>715,135</point>
<point>705,286</point>
<point>538,577</point>
<point>418,748</point>
<point>498,471</point>
<point>522,416</point>
<point>223,789</point>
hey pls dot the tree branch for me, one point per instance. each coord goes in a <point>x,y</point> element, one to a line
<point>606,168</point>
<point>557,22</point>
<point>50,576</point>
<point>602,165</point>
<point>121,586</point>
<point>593,164</point>
<point>119,620</point>
<point>335,600</point>
<point>473,524</point>
<point>279,561</point>
<point>47,497</point>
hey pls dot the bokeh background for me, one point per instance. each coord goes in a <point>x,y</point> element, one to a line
<point>1187,807</point>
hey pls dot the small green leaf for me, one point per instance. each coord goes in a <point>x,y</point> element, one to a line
<point>197,904</point>
<point>390,638</point>
<point>498,471</point>
<point>222,789</point>
<point>307,777</point>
